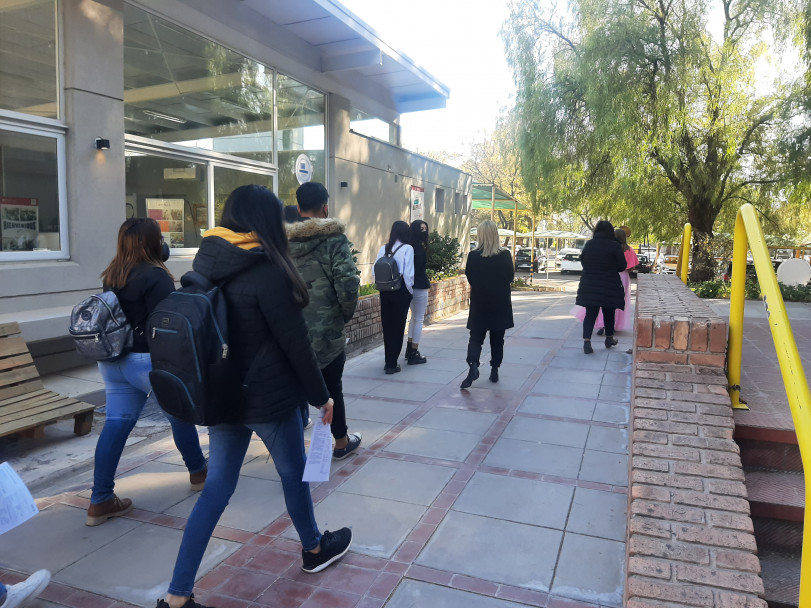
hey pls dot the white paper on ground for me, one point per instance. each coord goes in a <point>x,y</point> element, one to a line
<point>320,455</point>
<point>16,503</point>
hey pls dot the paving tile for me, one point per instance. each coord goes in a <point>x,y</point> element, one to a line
<point>370,431</point>
<point>450,419</point>
<point>153,549</point>
<point>605,467</point>
<point>399,480</point>
<point>254,505</point>
<point>598,579</point>
<point>447,445</point>
<point>417,593</point>
<point>376,410</point>
<point>378,525</point>
<point>514,499</point>
<point>536,457</point>
<point>505,382</point>
<point>573,376</point>
<point>56,538</point>
<point>597,513</point>
<point>550,386</point>
<point>555,432</point>
<point>608,439</point>
<point>457,547</point>
<point>580,361</point>
<point>263,468</point>
<point>443,363</point>
<point>424,373</point>
<point>615,393</point>
<point>408,391</point>
<point>354,385</point>
<point>612,378</point>
<point>564,407</point>
<point>610,412</point>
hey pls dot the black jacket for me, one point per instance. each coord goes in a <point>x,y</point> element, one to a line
<point>490,304</point>
<point>266,333</point>
<point>146,286</point>
<point>420,275</point>
<point>600,283</point>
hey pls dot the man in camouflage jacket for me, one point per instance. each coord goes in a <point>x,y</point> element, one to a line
<point>322,254</point>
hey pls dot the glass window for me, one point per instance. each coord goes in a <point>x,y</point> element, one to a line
<point>458,203</point>
<point>31,202</point>
<point>227,179</point>
<point>172,191</point>
<point>182,88</point>
<point>300,139</point>
<point>28,52</point>
<point>439,200</point>
<point>366,124</point>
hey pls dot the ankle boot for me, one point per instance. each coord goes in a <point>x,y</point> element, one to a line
<point>610,341</point>
<point>409,351</point>
<point>416,358</point>
<point>587,347</point>
<point>494,373</point>
<point>472,374</point>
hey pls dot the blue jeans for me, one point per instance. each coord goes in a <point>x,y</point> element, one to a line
<point>228,444</point>
<point>126,384</point>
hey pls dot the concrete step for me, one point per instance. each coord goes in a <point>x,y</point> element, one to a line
<point>761,431</point>
<point>770,455</point>
<point>776,494</point>
<point>778,535</point>
<point>781,578</point>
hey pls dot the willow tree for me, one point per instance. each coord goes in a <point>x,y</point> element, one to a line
<point>658,112</point>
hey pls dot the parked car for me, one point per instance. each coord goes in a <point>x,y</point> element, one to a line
<point>644,266</point>
<point>569,260</point>
<point>668,264</point>
<point>522,260</point>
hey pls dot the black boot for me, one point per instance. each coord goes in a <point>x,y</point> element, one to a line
<point>409,352</point>
<point>610,341</point>
<point>472,375</point>
<point>587,347</point>
<point>494,373</point>
<point>601,331</point>
<point>416,358</point>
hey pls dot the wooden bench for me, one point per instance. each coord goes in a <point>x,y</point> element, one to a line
<point>25,404</point>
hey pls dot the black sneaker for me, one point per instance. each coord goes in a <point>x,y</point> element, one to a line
<point>351,445</point>
<point>334,546</point>
<point>391,370</point>
<point>190,603</point>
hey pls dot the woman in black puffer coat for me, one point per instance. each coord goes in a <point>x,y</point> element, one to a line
<point>277,369</point>
<point>600,285</point>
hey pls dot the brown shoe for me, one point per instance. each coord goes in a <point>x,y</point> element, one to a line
<point>115,507</point>
<point>198,480</point>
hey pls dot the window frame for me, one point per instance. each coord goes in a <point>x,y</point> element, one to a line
<point>437,198</point>
<point>29,124</point>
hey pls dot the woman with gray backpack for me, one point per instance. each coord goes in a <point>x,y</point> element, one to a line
<point>394,278</point>
<point>139,279</point>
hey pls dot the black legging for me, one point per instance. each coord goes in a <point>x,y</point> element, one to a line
<point>591,318</point>
<point>393,315</point>
<point>474,346</point>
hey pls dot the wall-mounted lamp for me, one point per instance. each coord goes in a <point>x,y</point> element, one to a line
<point>344,184</point>
<point>102,144</point>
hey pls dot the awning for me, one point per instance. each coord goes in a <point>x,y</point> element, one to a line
<point>482,195</point>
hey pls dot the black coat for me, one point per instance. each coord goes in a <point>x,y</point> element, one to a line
<point>490,304</point>
<point>146,286</point>
<point>266,333</point>
<point>600,283</point>
<point>420,274</point>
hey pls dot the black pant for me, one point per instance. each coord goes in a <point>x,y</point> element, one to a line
<point>591,317</point>
<point>474,346</point>
<point>333,374</point>
<point>393,314</point>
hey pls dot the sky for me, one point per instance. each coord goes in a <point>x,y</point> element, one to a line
<point>458,42</point>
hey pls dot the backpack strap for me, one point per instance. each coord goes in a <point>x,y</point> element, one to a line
<point>395,250</point>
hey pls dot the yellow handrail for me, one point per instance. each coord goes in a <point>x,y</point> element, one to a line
<point>749,235</point>
<point>684,253</point>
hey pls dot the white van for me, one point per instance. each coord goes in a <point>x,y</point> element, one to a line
<point>569,260</point>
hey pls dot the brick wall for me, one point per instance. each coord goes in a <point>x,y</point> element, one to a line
<point>690,536</point>
<point>445,298</point>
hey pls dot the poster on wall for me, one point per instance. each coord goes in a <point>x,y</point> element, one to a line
<point>19,223</point>
<point>304,169</point>
<point>168,212</point>
<point>417,203</point>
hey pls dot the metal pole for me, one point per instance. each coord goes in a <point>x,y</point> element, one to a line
<point>684,253</point>
<point>492,201</point>
<point>736,302</point>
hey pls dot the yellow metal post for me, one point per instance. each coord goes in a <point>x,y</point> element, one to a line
<point>794,380</point>
<point>736,302</point>
<point>684,253</point>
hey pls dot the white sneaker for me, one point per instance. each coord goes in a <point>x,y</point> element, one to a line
<point>307,426</point>
<point>19,595</point>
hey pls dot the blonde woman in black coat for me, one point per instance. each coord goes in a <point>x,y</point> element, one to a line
<point>489,271</point>
<point>600,285</point>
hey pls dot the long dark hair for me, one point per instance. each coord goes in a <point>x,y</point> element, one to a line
<point>620,235</point>
<point>399,232</point>
<point>257,210</point>
<point>417,235</point>
<point>139,242</point>
<point>605,229</point>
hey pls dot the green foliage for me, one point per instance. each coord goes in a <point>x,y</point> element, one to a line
<point>711,289</point>
<point>519,282</point>
<point>354,253</point>
<point>801,293</point>
<point>367,290</point>
<point>444,256</point>
<point>752,289</point>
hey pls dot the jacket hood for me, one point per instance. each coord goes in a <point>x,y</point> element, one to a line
<point>306,235</point>
<point>217,259</point>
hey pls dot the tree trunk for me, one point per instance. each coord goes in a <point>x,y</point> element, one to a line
<point>703,267</point>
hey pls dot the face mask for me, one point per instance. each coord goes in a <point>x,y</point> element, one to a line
<point>164,252</point>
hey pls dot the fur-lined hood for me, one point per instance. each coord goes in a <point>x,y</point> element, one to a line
<point>306,235</point>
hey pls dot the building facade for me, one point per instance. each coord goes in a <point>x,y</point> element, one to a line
<point>112,109</point>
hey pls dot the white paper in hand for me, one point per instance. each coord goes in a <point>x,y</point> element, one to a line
<point>16,503</point>
<point>319,457</point>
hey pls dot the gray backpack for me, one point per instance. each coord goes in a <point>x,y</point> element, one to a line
<point>100,329</point>
<point>387,273</point>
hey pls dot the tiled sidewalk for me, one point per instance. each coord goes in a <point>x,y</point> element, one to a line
<point>503,495</point>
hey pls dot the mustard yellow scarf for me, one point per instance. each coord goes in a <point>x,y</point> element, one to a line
<point>243,240</point>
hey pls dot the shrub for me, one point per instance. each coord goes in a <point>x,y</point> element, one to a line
<point>752,289</point>
<point>801,293</point>
<point>443,257</point>
<point>519,282</point>
<point>711,289</point>
<point>367,290</point>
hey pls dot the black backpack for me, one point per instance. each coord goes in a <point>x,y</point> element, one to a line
<point>99,328</point>
<point>387,273</point>
<point>188,343</point>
